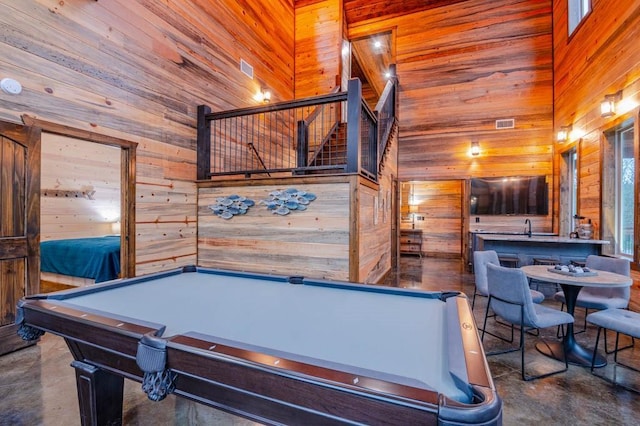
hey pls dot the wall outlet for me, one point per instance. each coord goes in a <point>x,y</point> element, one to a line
<point>477,219</point>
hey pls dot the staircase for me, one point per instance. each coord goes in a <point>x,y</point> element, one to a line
<point>334,151</point>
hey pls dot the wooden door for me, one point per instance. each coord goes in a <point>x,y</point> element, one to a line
<point>19,225</point>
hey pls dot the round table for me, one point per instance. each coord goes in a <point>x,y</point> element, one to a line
<point>571,285</point>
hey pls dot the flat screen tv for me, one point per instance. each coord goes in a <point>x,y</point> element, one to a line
<point>522,195</point>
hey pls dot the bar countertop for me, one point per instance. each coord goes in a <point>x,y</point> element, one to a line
<point>539,238</point>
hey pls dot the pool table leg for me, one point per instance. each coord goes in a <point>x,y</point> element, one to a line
<point>99,395</point>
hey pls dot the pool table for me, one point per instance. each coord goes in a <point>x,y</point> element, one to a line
<point>275,349</point>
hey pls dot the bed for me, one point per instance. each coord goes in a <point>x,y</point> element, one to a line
<point>95,258</point>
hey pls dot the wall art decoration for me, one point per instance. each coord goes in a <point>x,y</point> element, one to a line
<point>228,207</point>
<point>284,202</point>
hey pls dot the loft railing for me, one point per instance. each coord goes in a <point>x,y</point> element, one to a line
<point>296,137</point>
<point>315,134</point>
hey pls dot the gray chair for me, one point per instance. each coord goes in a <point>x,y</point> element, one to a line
<point>510,299</point>
<point>480,261</point>
<point>599,298</point>
<point>621,321</point>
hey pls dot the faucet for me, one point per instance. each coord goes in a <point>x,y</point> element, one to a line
<point>528,222</point>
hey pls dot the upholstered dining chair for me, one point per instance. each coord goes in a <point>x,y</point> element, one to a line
<point>480,261</point>
<point>510,299</point>
<point>620,321</point>
<point>600,298</point>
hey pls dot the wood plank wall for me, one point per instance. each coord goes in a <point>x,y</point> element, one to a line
<point>80,188</point>
<point>378,218</point>
<point>318,35</point>
<point>601,57</point>
<point>344,234</point>
<point>137,70</point>
<point>314,243</point>
<point>463,67</point>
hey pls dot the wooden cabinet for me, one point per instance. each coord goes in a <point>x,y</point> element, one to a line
<point>411,241</point>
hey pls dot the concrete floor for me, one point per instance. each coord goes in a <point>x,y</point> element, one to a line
<point>37,385</point>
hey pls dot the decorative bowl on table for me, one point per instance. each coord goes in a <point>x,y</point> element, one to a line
<point>573,270</point>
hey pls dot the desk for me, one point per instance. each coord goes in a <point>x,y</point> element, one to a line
<point>571,286</point>
<point>271,348</point>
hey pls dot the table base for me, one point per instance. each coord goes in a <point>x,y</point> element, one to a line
<point>576,354</point>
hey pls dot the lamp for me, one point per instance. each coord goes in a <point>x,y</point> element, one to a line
<point>266,95</point>
<point>115,227</point>
<point>475,148</point>
<point>413,209</point>
<point>563,133</point>
<point>608,106</point>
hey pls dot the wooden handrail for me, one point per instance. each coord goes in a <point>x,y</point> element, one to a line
<point>385,94</point>
<point>316,100</point>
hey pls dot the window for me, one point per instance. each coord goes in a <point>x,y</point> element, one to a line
<point>577,10</point>
<point>573,181</point>
<point>618,189</point>
<point>625,196</point>
<point>569,191</point>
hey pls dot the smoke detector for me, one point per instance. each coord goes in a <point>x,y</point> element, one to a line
<point>10,86</point>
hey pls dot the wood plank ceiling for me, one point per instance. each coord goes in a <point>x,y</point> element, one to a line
<point>357,11</point>
<point>370,63</point>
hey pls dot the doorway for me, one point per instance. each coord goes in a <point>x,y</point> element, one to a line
<point>435,208</point>
<point>126,153</point>
<point>20,154</point>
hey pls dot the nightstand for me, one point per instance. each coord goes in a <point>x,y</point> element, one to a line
<point>411,241</point>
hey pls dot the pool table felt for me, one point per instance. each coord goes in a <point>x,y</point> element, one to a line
<point>393,337</point>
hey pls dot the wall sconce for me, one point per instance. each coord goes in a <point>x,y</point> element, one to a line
<point>608,106</point>
<point>265,95</point>
<point>563,133</point>
<point>475,148</point>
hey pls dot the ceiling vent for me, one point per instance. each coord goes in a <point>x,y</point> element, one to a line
<point>508,123</point>
<point>246,68</point>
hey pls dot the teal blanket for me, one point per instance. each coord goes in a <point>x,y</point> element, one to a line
<point>97,258</point>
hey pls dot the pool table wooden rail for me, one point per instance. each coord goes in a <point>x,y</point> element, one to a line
<point>266,388</point>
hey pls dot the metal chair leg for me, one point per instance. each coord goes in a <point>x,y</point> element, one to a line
<point>484,325</point>
<point>615,360</point>
<point>521,348</point>
<point>616,349</point>
<point>584,325</point>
